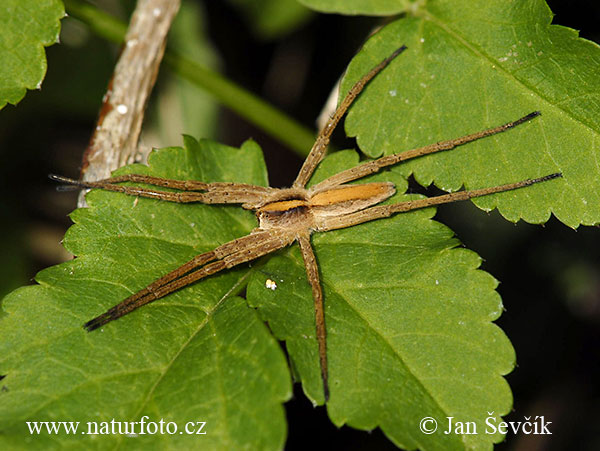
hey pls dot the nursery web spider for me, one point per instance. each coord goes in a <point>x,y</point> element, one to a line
<point>290,214</point>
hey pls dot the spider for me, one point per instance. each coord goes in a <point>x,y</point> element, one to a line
<point>290,214</point>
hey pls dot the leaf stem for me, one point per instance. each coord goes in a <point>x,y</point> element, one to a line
<point>246,104</point>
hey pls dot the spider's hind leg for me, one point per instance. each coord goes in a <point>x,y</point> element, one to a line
<point>228,255</point>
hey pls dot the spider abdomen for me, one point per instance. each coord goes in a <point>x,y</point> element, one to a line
<point>303,213</point>
<point>344,199</point>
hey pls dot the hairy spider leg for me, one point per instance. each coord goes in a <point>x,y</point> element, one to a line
<point>226,256</point>
<point>317,153</point>
<point>384,211</point>
<point>370,167</point>
<point>214,193</point>
<point>312,274</point>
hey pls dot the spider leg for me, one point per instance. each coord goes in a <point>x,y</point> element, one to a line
<point>312,273</point>
<point>184,185</point>
<point>373,166</point>
<point>213,193</point>
<point>320,146</point>
<point>226,256</point>
<point>384,211</point>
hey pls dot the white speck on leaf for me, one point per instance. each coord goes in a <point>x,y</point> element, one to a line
<point>270,284</point>
<point>156,12</point>
<point>122,108</point>
<point>393,93</point>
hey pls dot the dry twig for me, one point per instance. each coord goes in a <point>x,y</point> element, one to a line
<point>114,142</point>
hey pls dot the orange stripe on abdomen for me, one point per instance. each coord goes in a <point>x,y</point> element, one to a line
<point>349,193</point>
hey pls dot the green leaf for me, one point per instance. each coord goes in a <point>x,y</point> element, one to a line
<point>26,27</point>
<point>370,7</point>
<point>408,320</point>
<point>198,355</point>
<point>477,64</point>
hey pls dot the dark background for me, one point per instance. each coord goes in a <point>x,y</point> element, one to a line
<point>550,275</point>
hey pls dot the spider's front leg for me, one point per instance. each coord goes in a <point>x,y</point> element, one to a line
<point>190,190</point>
<point>384,211</point>
<point>373,166</point>
<point>317,153</point>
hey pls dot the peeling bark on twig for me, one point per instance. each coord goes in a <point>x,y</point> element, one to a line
<point>114,142</point>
